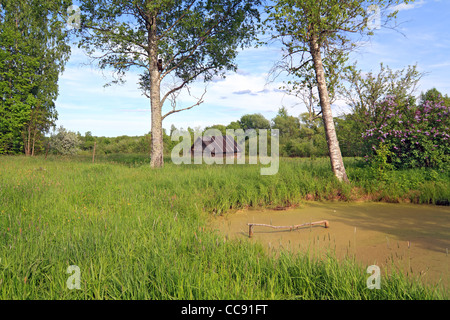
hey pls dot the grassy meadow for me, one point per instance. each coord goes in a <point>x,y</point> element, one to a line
<point>141,233</point>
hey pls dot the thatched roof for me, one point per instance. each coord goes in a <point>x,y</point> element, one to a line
<point>217,145</point>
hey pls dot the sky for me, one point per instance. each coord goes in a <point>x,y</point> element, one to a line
<point>84,104</point>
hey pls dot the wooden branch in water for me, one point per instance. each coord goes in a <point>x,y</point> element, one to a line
<point>251,225</point>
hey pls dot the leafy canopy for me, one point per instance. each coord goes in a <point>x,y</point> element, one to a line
<point>191,38</point>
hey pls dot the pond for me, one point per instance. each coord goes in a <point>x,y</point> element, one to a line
<point>411,238</point>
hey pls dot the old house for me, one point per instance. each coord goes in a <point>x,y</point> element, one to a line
<point>216,146</point>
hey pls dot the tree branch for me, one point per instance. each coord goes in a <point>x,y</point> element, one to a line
<point>199,102</point>
<point>128,39</point>
<point>191,53</point>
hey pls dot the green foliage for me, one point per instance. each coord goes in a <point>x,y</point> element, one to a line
<point>219,127</point>
<point>363,93</point>
<point>349,131</point>
<point>64,142</point>
<point>382,161</point>
<point>254,121</point>
<point>417,135</point>
<point>234,125</point>
<point>288,126</point>
<point>33,51</point>
<point>366,90</point>
<point>300,137</point>
<point>384,109</point>
<point>433,95</point>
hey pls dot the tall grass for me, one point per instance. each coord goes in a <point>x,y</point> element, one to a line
<point>139,233</point>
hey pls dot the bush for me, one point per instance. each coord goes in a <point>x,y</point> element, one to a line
<point>65,142</point>
<point>417,136</point>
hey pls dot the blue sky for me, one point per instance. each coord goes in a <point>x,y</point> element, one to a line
<point>85,105</point>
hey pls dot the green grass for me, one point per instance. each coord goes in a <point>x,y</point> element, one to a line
<point>139,233</point>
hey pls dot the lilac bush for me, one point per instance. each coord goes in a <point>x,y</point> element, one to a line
<point>416,136</point>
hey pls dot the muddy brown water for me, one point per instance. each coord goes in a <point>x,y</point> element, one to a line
<point>412,238</point>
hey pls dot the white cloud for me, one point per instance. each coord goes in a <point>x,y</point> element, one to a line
<point>247,93</point>
<point>403,6</point>
<point>440,65</point>
<point>88,80</point>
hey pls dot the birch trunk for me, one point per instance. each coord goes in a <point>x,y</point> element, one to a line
<point>157,160</point>
<point>337,164</point>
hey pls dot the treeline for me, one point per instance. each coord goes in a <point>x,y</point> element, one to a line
<point>299,137</point>
<point>397,132</point>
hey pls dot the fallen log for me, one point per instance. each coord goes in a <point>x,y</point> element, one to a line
<point>251,225</point>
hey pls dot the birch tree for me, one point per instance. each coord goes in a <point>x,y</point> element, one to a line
<point>320,35</point>
<point>180,39</point>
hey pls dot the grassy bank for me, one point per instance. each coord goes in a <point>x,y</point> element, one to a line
<point>138,233</point>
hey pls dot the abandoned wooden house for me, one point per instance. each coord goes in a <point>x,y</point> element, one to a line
<point>216,146</point>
